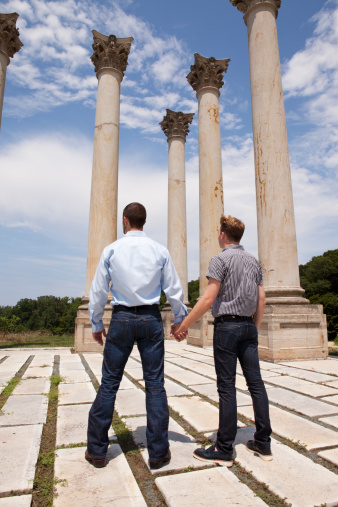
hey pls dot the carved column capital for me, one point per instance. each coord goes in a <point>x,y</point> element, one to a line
<point>9,35</point>
<point>110,52</point>
<point>246,5</point>
<point>176,124</point>
<point>207,72</point>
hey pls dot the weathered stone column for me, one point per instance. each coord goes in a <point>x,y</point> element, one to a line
<point>9,45</point>
<point>277,243</point>
<point>110,59</point>
<point>206,78</point>
<point>176,128</point>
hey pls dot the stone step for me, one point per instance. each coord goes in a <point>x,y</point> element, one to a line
<point>216,486</point>
<point>80,483</point>
<point>290,475</point>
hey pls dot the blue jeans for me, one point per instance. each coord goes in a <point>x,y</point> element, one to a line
<point>234,340</point>
<point>143,324</point>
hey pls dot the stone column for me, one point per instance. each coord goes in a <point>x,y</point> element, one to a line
<point>176,128</point>
<point>9,45</point>
<point>110,59</point>
<point>277,244</point>
<point>206,78</point>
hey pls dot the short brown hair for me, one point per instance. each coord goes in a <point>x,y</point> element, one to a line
<point>232,227</point>
<point>136,214</point>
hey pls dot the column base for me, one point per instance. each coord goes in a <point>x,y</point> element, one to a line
<point>202,332</point>
<point>291,331</point>
<point>83,340</point>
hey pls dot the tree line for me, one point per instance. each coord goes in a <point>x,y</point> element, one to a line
<point>318,277</point>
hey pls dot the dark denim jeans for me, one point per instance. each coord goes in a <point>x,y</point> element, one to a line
<point>234,340</point>
<point>126,326</point>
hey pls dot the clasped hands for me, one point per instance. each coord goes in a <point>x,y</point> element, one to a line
<point>179,332</point>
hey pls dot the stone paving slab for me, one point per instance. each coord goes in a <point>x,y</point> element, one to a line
<point>38,371</point>
<point>182,445</point>
<point>66,368</point>
<point>209,390</point>
<point>130,402</point>
<point>331,399</point>
<point>89,486</point>
<point>216,486</point>
<point>203,369</point>
<point>241,383</point>
<point>311,483</point>
<point>185,377</point>
<point>332,421</point>
<point>172,389</point>
<point>302,386</point>
<point>135,373</point>
<point>332,383</point>
<point>126,383</point>
<point>180,361</point>
<point>75,376</point>
<point>312,376</point>
<point>71,426</point>
<point>42,361</point>
<point>39,385</point>
<point>320,365</point>
<point>200,414</point>
<point>19,452</point>
<point>76,393</point>
<point>16,501</point>
<point>300,403</point>
<point>24,409</point>
<point>203,351</point>
<point>296,428</point>
<point>330,455</point>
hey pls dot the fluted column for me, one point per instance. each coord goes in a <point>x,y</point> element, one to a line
<point>110,59</point>
<point>206,78</point>
<point>9,45</point>
<point>175,125</point>
<point>277,244</point>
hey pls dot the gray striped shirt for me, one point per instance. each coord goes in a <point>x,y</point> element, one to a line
<point>240,274</point>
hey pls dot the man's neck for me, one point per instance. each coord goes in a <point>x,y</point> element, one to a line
<point>225,244</point>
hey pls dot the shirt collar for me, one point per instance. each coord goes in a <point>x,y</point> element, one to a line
<point>135,233</point>
<point>239,247</point>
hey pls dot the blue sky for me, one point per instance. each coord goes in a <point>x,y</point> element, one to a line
<point>46,139</point>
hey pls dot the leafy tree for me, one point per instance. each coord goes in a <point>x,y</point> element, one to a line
<point>193,292</point>
<point>7,324</point>
<point>319,278</point>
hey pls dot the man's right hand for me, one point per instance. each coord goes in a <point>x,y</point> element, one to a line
<point>98,336</point>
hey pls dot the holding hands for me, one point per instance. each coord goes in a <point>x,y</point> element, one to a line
<point>179,331</point>
<point>98,336</point>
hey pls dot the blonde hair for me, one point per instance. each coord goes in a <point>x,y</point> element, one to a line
<point>232,227</point>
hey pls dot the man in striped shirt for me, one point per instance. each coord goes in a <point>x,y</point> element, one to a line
<point>236,293</point>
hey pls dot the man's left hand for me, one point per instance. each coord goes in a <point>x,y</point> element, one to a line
<point>98,336</point>
<point>179,332</point>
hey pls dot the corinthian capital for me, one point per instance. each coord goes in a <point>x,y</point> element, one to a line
<point>207,72</point>
<point>176,124</point>
<point>9,34</point>
<point>243,5</point>
<point>110,52</point>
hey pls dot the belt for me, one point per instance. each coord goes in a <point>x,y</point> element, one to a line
<point>233,318</point>
<point>134,309</point>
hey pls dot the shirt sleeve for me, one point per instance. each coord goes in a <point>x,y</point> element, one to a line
<point>98,295</point>
<point>172,288</point>
<point>216,269</point>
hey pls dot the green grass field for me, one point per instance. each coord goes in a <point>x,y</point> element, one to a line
<point>26,340</point>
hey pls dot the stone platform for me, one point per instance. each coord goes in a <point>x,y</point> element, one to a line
<point>304,414</point>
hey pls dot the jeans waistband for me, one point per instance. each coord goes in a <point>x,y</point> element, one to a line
<point>136,309</point>
<point>232,318</point>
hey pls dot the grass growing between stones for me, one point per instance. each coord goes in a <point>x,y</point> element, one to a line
<point>43,486</point>
<point>144,479</point>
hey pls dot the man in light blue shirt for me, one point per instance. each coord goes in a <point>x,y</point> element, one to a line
<point>134,269</point>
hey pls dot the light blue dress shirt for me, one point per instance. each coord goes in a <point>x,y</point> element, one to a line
<point>133,269</point>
